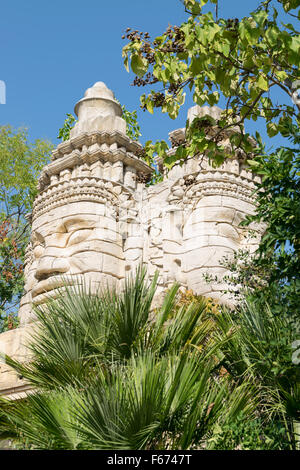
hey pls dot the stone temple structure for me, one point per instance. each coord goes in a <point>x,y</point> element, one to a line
<point>95,219</point>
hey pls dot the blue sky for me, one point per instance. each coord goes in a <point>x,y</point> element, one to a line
<point>52,51</point>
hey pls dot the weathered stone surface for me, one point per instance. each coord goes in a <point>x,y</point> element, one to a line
<point>215,201</point>
<point>212,214</point>
<point>13,343</point>
<point>228,231</point>
<point>236,202</point>
<point>205,256</point>
<point>133,242</point>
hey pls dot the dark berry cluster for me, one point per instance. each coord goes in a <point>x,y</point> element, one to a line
<point>158,100</point>
<point>148,79</point>
<point>142,177</point>
<point>189,180</point>
<point>141,153</point>
<point>135,35</point>
<point>201,124</point>
<point>173,88</point>
<point>175,33</point>
<point>146,50</point>
<point>174,43</point>
<point>176,40</point>
<point>139,36</point>
<point>173,48</point>
<point>175,142</point>
<point>232,23</point>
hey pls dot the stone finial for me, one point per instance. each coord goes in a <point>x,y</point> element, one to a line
<point>98,110</point>
<point>200,111</point>
<point>98,100</point>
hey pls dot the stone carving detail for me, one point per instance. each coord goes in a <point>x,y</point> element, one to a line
<point>95,220</point>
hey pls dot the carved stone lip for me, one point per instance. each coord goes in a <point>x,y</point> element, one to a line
<point>54,283</point>
<point>46,296</point>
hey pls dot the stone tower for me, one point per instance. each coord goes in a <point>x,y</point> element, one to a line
<point>95,220</point>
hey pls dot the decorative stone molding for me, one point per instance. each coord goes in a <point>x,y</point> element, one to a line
<point>79,189</point>
<point>88,139</point>
<point>98,150</point>
<point>240,188</point>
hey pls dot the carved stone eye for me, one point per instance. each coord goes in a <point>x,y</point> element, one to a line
<point>38,250</point>
<point>79,236</point>
<point>38,245</point>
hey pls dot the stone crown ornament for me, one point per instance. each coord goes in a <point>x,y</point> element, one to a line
<point>98,111</point>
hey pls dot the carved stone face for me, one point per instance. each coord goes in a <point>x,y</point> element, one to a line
<point>72,244</point>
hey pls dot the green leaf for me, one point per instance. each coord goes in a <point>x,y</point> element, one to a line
<point>196,66</point>
<point>226,49</point>
<point>253,163</point>
<point>126,63</point>
<point>139,65</point>
<point>260,17</point>
<point>271,35</point>
<point>211,31</point>
<point>272,129</point>
<point>149,105</point>
<point>295,44</point>
<point>262,83</point>
<point>281,74</point>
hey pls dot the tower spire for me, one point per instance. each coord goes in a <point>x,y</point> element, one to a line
<point>98,110</point>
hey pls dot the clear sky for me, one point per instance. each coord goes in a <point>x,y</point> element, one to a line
<point>53,50</point>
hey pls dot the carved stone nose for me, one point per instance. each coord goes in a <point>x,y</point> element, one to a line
<point>48,267</point>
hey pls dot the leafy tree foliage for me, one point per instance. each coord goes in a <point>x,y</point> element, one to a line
<point>278,198</point>
<point>241,62</point>
<point>64,131</point>
<point>20,164</point>
<point>133,129</point>
<point>11,272</point>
